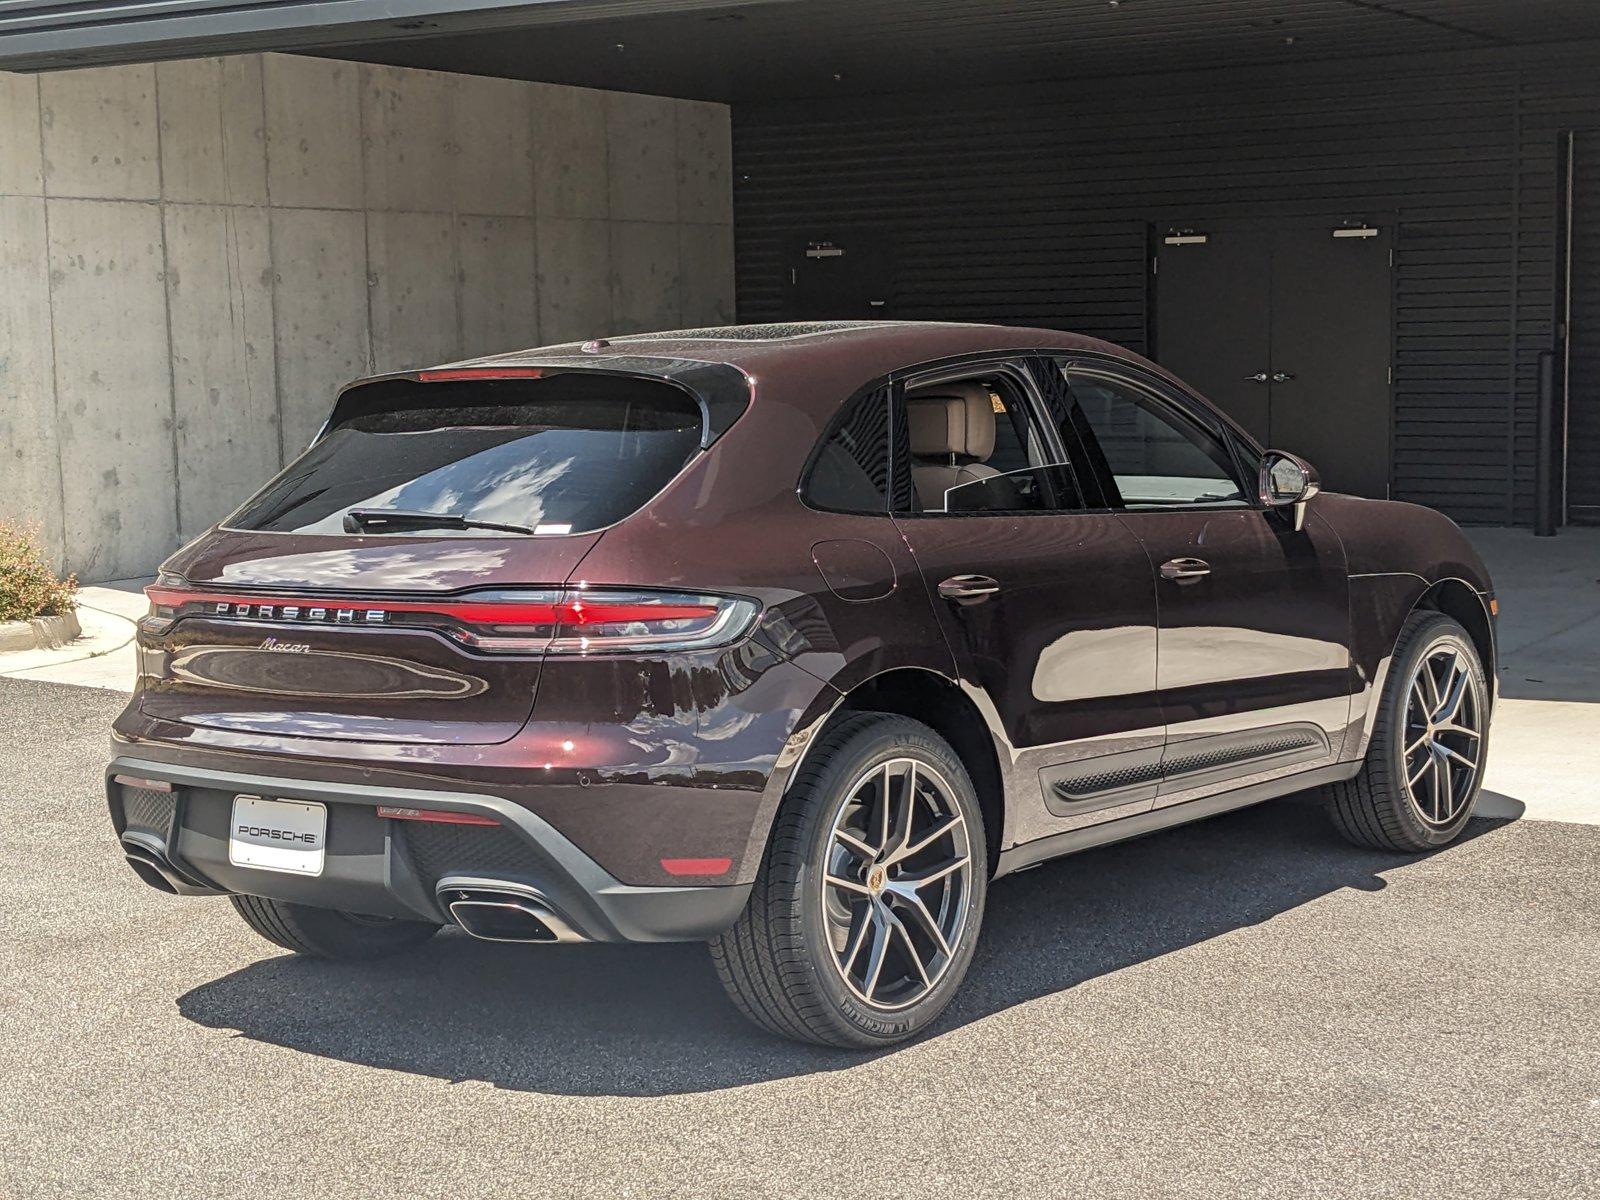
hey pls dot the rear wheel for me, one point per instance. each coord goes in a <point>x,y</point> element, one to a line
<point>1424,766</point>
<point>327,933</point>
<point>868,902</point>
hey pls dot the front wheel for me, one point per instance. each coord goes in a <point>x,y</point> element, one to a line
<point>867,905</point>
<point>1424,765</point>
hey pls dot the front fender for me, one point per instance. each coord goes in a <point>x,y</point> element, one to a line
<point>1387,537</point>
<point>1398,555</point>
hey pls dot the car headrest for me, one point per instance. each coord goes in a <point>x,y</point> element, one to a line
<point>952,418</point>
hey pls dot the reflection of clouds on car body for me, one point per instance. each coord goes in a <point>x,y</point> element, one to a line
<point>400,568</point>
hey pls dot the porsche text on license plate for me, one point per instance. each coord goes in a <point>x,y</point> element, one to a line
<point>278,835</point>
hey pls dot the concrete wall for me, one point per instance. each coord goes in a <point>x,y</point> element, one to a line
<point>194,255</point>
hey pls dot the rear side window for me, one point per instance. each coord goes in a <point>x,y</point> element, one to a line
<point>569,453</point>
<point>977,446</point>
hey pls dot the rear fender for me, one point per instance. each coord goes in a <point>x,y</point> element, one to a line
<point>967,721</point>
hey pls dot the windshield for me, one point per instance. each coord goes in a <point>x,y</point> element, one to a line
<point>567,454</point>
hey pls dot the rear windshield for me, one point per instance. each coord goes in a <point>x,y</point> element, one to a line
<point>566,454</point>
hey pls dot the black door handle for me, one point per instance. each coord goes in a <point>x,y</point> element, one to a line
<point>968,589</point>
<point>1185,570</point>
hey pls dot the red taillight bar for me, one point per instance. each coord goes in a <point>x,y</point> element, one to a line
<point>459,374</point>
<point>563,612</point>
<point>520,620</point>
<point>438,816</point>
<point>583,612</point>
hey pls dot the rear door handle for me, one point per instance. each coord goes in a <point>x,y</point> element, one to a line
<point>1258,377</point>
<point>968,589</point>
<point>1185,570</point>
<point>1282,376</point>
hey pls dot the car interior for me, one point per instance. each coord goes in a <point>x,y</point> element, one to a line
<point>952,438</point>
<point>976,447</point>
<point>972,447</point>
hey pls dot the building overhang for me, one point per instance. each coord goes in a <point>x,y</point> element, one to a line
<point>37,35</point>
<point>754,50</point>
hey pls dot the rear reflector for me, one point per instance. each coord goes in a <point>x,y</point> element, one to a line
<point>438,816</point>
<point>696,866</point>
<point>148,785</point>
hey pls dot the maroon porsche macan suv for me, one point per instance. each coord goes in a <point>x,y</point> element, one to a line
<point>791,638</point>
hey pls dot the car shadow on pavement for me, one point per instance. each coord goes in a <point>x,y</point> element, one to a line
<point>652,1020</point>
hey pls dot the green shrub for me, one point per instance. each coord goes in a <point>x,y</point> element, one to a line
<point>28,587</point>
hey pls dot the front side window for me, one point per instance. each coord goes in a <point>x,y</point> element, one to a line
<point>1249,457</point>
<point>1157,457</point>
<point>976,446</point>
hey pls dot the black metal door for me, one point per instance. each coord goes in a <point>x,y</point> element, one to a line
<point>846,277</point>
<point>1214,318</point>
<point>1330,353</point>
<point>1287,329</point>
<point>1583,335</point>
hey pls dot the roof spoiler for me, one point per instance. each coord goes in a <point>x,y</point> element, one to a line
<point>721,390</point>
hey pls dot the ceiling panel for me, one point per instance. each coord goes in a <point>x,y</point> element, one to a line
<point>757,49</point>
<point>832,47</point>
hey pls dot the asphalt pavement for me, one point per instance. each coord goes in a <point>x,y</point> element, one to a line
<point>1245,1007</point>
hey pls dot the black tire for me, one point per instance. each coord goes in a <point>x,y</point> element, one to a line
<point>1376,808</point>
<point>327,933</point>
<point>777,963</point>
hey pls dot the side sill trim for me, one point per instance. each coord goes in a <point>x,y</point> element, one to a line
<point>1031,854</point>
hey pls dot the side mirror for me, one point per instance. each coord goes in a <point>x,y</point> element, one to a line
<point>1288,481</point>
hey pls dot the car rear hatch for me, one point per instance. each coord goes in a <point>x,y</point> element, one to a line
<point>402,579</point>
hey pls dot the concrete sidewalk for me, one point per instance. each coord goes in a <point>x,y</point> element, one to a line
<point>1544,752</point>
<point>1544,760</point>
<point>103,655</point>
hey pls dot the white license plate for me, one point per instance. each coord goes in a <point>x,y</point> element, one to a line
<point>278,835</point>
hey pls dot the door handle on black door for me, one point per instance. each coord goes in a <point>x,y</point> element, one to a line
<point>1258,377</point>
<point>1185,570</point>
<point>968,589</point>
<point>1282,376</point>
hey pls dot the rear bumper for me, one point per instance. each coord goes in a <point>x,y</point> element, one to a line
<point>389,867</point>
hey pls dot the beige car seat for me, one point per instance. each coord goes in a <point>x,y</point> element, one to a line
<point>952,434</point>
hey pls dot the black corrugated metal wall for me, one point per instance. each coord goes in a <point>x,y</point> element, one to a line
<point>1583,364</point>
<point>1030,206</point>
<point>1567,98</point>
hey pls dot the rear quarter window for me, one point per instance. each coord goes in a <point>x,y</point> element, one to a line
<point>570,453</point>
<point>850,469</point>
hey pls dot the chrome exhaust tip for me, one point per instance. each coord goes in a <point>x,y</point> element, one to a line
<point>147,855</point>
<point>152,868</point>
<point>500,911</point>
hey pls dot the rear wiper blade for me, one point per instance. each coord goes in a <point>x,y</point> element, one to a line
<point>384,520</point>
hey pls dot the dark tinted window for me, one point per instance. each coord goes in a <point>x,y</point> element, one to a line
<point>561,455</point>
<point>851,470</point>
<point>1157,456</point>
<point>1012,432</point>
